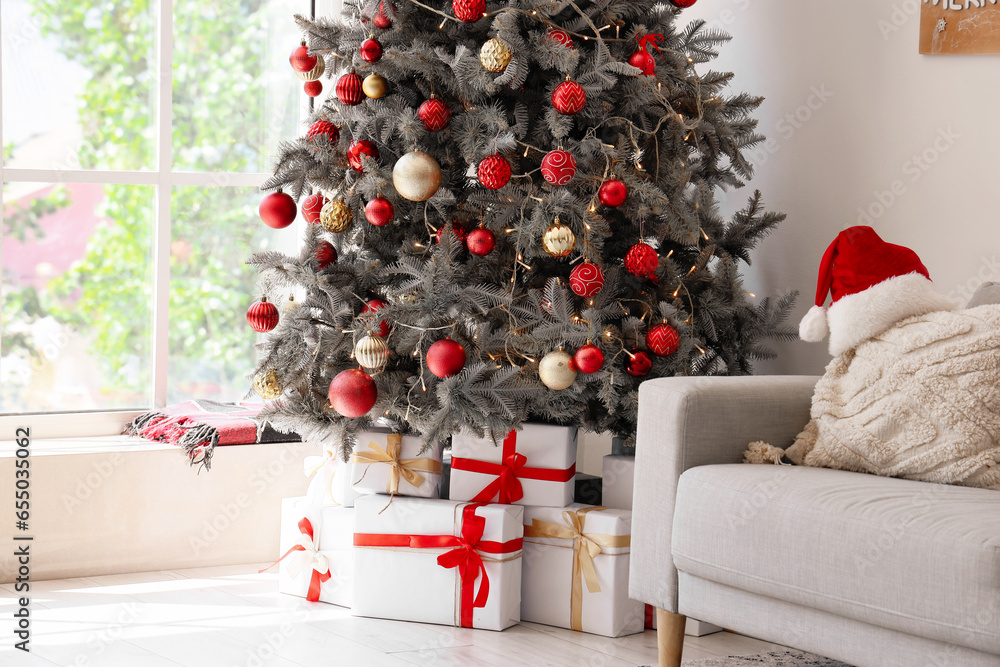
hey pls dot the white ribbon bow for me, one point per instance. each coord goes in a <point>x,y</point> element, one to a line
<point>308,558</point>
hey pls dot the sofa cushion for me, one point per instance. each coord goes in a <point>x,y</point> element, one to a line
<point>911,556</point>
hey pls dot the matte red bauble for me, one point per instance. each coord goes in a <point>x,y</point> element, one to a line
<point>589,358</point>
<point>641,260</point>
<point>612,193</point>
<point>349,89</point>
<point>373,307</point>
<point>313,88</point>
<point>371,50</point>
<point>558,167</point>
<point>434,114</point>
<point>262,316</point>
<point>324,129</point>
<point>379,211</point>
<point>480,241</point>
<point>353,393</point>
<point>639,364</point>
<point>468,11</point>
<point>456,229</point>
<point>494,172</point>
<point>586,279</point>
<point>560,36</point>
<point>683,4</point>
<point>324,254</point>
<point>643,61</point>
<point>381,19</point>
<point>445,358</point>
<point>359,148</point>
<point>278,210</point>
<point>312,206</point>
<point>569,98</point>
<point>663,339</point>
<point>300,60</point>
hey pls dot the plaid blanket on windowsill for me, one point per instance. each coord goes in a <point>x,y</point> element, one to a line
<point>200,426</point>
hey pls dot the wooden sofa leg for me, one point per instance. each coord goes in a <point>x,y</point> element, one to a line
<point>669,637</point>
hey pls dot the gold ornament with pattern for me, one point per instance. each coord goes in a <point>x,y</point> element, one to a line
<point>371,352</point>
<point>315,73</point>
<point>558,240</point>
<point>495,56</point>
<point>266,384</point>
<point>374,86</point>
<point>336,216</point>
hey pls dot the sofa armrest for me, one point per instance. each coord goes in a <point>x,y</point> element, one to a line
<point>692,421</point>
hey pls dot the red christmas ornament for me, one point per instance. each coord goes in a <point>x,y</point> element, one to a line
<point>324,129</point>
<point>638,364</point>
<point>324,254</point>
<point>349,90</point>
<point>494,172</point>
<point>300,60</point>
<point>359,148</point>
<point>663,339</point>
<point>313,88</point>
<point>353,393</point>
<point>278,210</point>
<point>683,4</point>
<point>371,50</point>
<point>586,279</point>
<point>262,316</point>
<point>480,241</point>
<point>445,358</point>
<point>311,207</point>
<point>379,211</point>
<point>381,18</point>
<point>561,36</point>
<point>434,114</point>
<point>569,98</point>
<point>468,11</point>
<point>456,229</point>
<point>558,167</point>
<point>642,58</point>
<point>612,193</point>
<point>373,307</point>
<point>589,358</point>
<point>641,260</point>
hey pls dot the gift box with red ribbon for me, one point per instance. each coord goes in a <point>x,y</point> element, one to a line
<point>533,466</point>
<point>390,463</point>
<point>438,561</point>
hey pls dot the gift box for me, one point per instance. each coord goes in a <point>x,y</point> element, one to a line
<point>438,561</point>
<point>391,463</point>
<point>619,474</point>
<point>533,466</point>
<point>331,480</point>
<point>317,549</point>
<point>576,564</point>
<point>587,489</point>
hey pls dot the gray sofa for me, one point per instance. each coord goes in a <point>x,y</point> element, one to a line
<point>873,571</point>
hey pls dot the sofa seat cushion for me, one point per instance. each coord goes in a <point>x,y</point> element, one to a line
<point>911,556</point>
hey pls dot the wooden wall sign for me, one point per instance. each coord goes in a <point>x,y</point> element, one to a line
<point>959,26</point>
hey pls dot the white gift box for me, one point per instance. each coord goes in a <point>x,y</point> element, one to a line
<point>385,462</point>
<point>576,563</point>
<point>617,480</point>
<point>331,480</point>
<point>399,573</point>
<point>533,466</point>
<point>330,550</point>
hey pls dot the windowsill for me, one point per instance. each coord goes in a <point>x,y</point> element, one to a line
<point>85,445</point>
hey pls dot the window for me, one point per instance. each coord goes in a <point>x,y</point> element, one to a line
<point>130,200</point>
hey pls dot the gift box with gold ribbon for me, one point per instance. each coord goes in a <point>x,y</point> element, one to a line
<point>390,463</point>
<point>575,572</point>
<point>438,561</point>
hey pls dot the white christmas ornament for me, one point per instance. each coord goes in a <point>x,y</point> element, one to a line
<point>557,370</point>
<point>416,176</point>
<point>371,352</point>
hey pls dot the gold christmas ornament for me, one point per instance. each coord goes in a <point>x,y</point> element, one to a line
<point>495,56</point>
<point>556,370</point>
<point>266,384</point>
<point>291,304</point>
<point>336,215</point>
<point>315,73</point>
<point>558,240</point>
<point>371,352</point>
<point>374,86</point>
<point>416,176</point>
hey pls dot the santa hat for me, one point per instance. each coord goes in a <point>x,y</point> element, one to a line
<point>873,284</point>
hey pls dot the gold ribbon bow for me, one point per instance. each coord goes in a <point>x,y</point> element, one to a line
<point>585,547</point>
<point>408,469</point>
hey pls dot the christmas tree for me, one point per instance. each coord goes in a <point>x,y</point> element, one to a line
<point>512,217</point>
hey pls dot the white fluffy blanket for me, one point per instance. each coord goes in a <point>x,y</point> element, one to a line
<point>921,400</point>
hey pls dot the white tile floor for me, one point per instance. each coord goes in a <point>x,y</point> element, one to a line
<point>230,616</point>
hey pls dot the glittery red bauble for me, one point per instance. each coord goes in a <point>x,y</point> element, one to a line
<point>373,307</point>
<point>641,260</point>
<point>278,210</point>
<point>456,229</point>
<point>662,339</point>
<point>357,149</point>
<point>639,364</point>
<point>313,88</point>
<point>371,50</point>
<point>353,392</point>
<point>558,167</point>
<point>324,254</point>
<point>300,60</point>
<point>569,98</point>
<point>683,4</point>
<point>586,279</point>
<point>612,193</point>
<point>643,61</point>
<point>324,129</point>
<point>589,358</point>
<point>480,241</point>
<point>379,211</point>
<point>561,36</point>
<point>445,358</point>
<point>381,19</point>
<point>311,207</point>
<point>494,172</point>
<point>468,11</point>
<point>349,90</point>
<point>262,316</point>
<point>434,114</point>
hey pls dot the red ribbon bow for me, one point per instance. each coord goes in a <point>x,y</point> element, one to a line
<point>650,40</point>
<point>318,578</point>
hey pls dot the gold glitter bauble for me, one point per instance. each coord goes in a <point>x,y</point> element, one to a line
<point>336,216</point>
<point>374,86</point>
<point>266,384</point>
<point>315,73</point>
<point>416,176</point>
<point>495,56</point>
<point>556,370</point>
<point>371,352</point>
<point>558,240</point>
